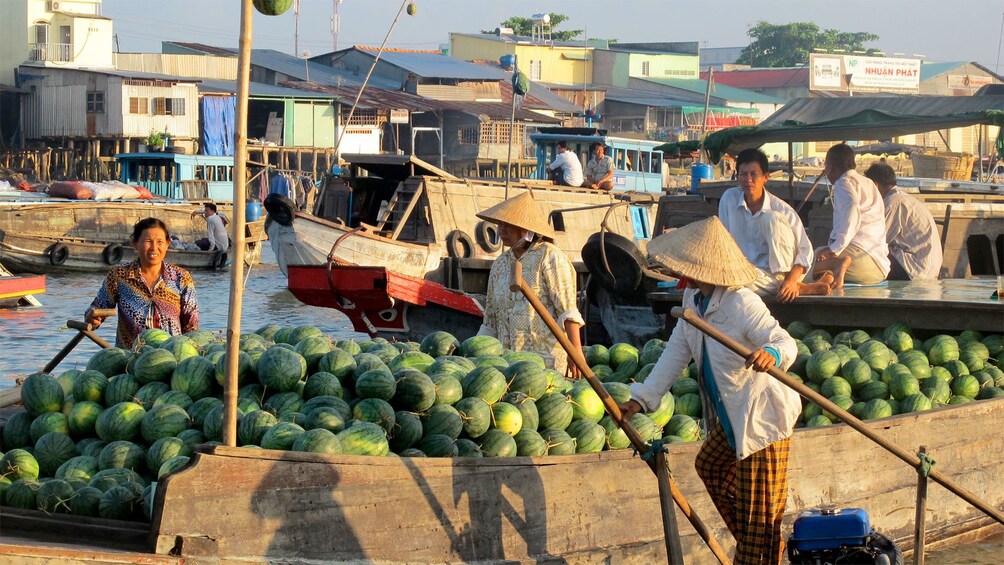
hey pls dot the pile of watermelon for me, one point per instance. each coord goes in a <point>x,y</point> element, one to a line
<point>95,441</point>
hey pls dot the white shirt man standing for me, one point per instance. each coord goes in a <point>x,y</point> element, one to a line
<point>769,233</point>
<point>217,239</point>
<point>911,233</point>
<point>566,169</point>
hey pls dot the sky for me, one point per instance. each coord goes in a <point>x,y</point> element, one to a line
<point>940,30</point>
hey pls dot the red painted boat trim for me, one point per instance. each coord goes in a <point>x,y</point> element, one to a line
<point>16,287</point>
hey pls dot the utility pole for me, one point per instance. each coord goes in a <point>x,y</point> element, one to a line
<point>336,24</point>
<point>296,28</point>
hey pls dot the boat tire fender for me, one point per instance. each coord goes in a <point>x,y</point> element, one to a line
<point>112,254</point>
<point>624,258</point>
<point>280,208</point>
<point>459,245</point>
<point>487,234</point>
<point>58,254</point>
<point>219,260</point>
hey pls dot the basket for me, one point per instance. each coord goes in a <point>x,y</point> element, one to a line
<point>943,165</point>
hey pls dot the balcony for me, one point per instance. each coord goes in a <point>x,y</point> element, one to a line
<point>55,52</point>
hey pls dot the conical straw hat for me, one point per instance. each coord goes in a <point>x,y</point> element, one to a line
<point>520,211</point>
<point>704,251</point>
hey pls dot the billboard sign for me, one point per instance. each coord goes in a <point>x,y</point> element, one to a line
<point>864,74</point>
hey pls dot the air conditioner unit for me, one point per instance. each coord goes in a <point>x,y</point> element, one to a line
<point>52,6</point>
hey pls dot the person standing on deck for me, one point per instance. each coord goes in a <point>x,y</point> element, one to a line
<point>857,252</point>
<point>149,293</point>
<point>749,416</point>
<point>769,233</point>
<point>217,239</point>
<point>599,169</point>
<point>566,169</point>
<point>509,317</point>
<point>914,245</point>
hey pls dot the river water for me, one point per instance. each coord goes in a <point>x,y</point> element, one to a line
<point>31,337</point>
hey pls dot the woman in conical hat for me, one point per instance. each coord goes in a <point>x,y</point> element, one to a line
<point>528,238</point>
<point>749,416</point>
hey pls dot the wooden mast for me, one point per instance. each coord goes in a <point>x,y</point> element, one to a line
<point>237,228</point>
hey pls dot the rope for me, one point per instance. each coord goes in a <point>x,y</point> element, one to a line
<point>654,446</point>
<point>926,464</point>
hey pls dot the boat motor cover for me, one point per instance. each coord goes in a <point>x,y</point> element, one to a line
<point>830,528</point>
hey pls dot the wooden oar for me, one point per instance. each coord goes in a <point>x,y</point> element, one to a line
<point>693,319</point>
<point>13,396</point>
<point>658,463</point>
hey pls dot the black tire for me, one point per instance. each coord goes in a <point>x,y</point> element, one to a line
<point>280,209</point>
<point>459,245</point>
<point>884,546</point>
<point>219,260</point>
<point>58,254</point>
<point>487,234</point>
<point>112,254</point>
<point>623,256</point>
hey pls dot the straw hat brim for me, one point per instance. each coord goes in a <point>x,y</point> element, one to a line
<point>521,211</point>
<point>704,251</point>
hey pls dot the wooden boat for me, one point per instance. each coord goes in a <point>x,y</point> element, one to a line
<point>53,235</point>
<point>427,230</point>
<point>19,290</point>
<point>238,504</point>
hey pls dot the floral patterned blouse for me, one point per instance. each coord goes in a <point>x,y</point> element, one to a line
<point>510,317</point>
<point>170,306</point>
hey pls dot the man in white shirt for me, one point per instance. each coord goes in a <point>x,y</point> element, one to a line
<point>857,252</point>
<point>217,239</point>
<point>566,169</point>
<point>912,236</point>
<point>769,233</point>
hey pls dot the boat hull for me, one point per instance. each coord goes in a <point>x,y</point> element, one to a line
<point>14,289</point>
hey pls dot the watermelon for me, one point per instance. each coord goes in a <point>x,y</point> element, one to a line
<point>281,369</point>
<point>364,438</point>
<point>914,403</point>
<point>439,343</point>
<point>415,391</point>
<point>443,419</point>
<point>41,393</point>
<point>54,496</point>
<point>620,392</point>
<point>385,353</point>
<point>526,376</point>
<point>192,438</point>
<point>616,438</point>
<point>620,353</point>
<point>555,411</point>
<point>844,402</point>
<point>407,430</point>
<point>120,422</point>
<point>486,383</point>
<point>497,443</point>
<point>527,409</point>
<point>175,398</point>
<point>200,408</point>
<point>81,467</point>
<point>122,455</point>
<point>318,440</point>
<point>455,366</point>
<point>496,361</point>
<point>876,408</point>
<point>109,362</point>
<point>530,444</point>
<point>212,426</point>
<point>19,464</point>
<point>52,450</point>
<point>90,446</point>
<point>195,377</point>
<point>412,452</point>
<point>597,355</point>
<point>558,442</point>
<point>17,431</point>
<point>85,501</point>
<point>942,350</point>
<point>689,405</point>
<point>377,383</point>
<point>994,344</point>
<point>476,416</point>
<point>412,360</point>
<point>82,418</point>
<point>120,388</point>
<point>835,386</point>
<point>822,365</point>
<point>856,373</point>
<point>467,448</point>
<point>513,357</point>
<point>965,385</point>
<point>119,503</point>
<point>667,407</point>
<point>685,385</point>
<point>589,436</point>
<point>164,449</point>
<point>149,393</point>
<point>108,478</point>
<point>507,418</point>
<point>990,392</point>
<point>479,345</point>
<point>48,422</point>
<point>281,436</point>
<point>171,465</point>
<point>89,385</point>
<point>245,368</point>
<point>684,427</point>
<point>312,349</point>
<point>153,337</point>
<point>252,426</point>
<point>438,445</point>
<point>283,404</point>
<point>326,418</point>
<point>155,365</point>
<point>586,404</point>
<point>322,384</point>
<point>375,411</point>
<point>956,368</point>
<point>818,421</point>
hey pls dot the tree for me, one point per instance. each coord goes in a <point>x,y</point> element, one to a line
<point>524,26</point>
<point>788,45</point>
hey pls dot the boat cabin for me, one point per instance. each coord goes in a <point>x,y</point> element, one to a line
<point>188,177</point>
<point>638,166</point>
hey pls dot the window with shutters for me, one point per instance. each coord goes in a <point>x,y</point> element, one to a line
<point>95,102</point>
<point>535,70</point>
<point>139,105</point>
<point>169,106</point>
<point>645,68</point>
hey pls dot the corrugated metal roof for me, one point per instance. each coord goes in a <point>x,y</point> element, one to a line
<point>722,91</point>
<point>261,90</point>
<point>207,49</point>
<point>321,74</point>
<point>762,78</point>
<point>931,70</point>
<point>117,73</point>
<point>524,39</point>
<point>540,98</point>
<point>434,65</point>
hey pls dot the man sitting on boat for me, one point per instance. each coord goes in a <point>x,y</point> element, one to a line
<point>217,239</point>
<point>748,415</point>
<point>525,232</point>
<point>857,252</point>
<point>565,170</point>
<point>599,169</point>
<point>769,233</point>
<point>910,231</point>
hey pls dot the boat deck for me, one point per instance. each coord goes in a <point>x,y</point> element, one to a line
<point>942,305</point>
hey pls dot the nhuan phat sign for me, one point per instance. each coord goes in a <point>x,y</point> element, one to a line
<point>863,74</point>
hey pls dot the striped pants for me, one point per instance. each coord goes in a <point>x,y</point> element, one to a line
<point>750,495</point>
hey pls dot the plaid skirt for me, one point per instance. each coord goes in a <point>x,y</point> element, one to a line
<point>750,494</point>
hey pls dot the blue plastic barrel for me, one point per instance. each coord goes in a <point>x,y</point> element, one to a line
<point>252,212</point>
<point>507,61</point>
<point>700,171</point>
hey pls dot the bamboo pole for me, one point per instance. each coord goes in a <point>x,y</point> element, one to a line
<point>517,284</point>
<point>237,228</point>
<point>691,318</point>
<point>919,525</point>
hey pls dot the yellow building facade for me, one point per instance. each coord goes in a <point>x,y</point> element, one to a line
<point>542,61</point>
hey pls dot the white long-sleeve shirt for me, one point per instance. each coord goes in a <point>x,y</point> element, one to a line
<point>571,167</point>
<point>761,410</point>
<point>859,218</point>
<point>741,223</point>
<point>912,235</point>
<point>217,233</point>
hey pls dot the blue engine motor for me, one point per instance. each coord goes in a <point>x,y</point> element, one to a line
<point>832,536</point>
